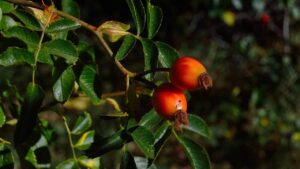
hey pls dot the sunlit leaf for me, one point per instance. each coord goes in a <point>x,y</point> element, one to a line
<point>85,140</point>
<point>62,25</point>
<point>67,164</point>
<point>14,56</point>
<point>7,22</point>
<point>63,82</point>
<point>30,21</point>
<point>114,30</point>
<point>2,117</point>
<point>6,7</point>
<point>29,37</point>
<point>31,157</point>
<point>0,14</point>
<point>90,163</point>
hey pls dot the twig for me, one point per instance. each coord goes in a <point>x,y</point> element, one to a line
<point>86,25</point>
<point>152,71</point>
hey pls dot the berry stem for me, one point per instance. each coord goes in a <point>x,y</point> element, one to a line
<point>152,71</point>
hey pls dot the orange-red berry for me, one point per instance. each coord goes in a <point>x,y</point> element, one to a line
<point>187,73</point>
<point>170,103</point>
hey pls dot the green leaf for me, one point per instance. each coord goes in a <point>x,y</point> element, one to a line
<point>63,83</point>
<point>62,25</point>
<point>145,140</point>
<point>2,117</point>
<point>89,83</point>
<point>155,17</point>
<point>197,125</point>
<point>14,56</point>
<point>6,157</point>
<point>142,163</point>
<point>114,30</point>
<point>84,47</point>
<point>71,7</point>
<point>127,45</point>
<point>0,14</point>
<point>7,22</point>
<point>31,157</point>
<point>30,21</point>
<point>44,57</point>
<point>61,48</point>
<point>83,122</point>
<point>67,164</point>
<point>29,37</point>
<point>85,140</point>
<point>138,14</point>
<point>127,161</point>
<point>150,56</point>
<point>90,163</point>
<point>161,135</point>
<point>6,6</point>
<point>32,102</point>
<point>150,119</point>
<point>167,54</point>
<point>113,142</point>
<point>197,155</point>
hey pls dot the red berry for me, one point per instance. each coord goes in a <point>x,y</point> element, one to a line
<point>265,19</point>
<point>170,103</point>
<point>187,73</point>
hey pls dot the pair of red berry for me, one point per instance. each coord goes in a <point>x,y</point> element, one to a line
<point>169,101</point>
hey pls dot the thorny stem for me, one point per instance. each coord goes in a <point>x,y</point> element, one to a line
<point>70,139</point>
<point>40,46</point>
<point>99,36</point>
<point>86,25</point>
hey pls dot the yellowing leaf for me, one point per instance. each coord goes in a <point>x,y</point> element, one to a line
<point>114,30</point>
<point>229,18</point>
<point>43,15</point>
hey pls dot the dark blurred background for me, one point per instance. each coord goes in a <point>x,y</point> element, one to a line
<point>251,49</point>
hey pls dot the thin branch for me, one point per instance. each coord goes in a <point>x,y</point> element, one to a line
<point>146,82</point>
<point>86,25</point>
<point>114,94</point>
<point>152,71</point>
<point>40,46</point>
<point>70,139</point>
